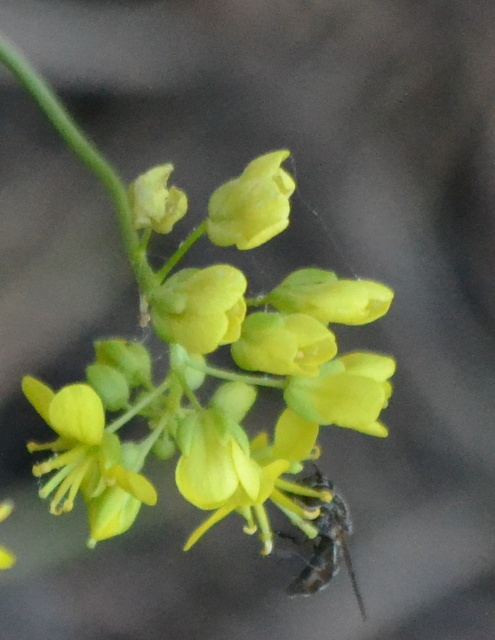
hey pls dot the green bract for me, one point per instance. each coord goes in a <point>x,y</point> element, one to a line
<point>321,294</point>
<point>152,204</point>
<point>350,391</point>
<point>254,207</point>
<point>200,308</point>
<point>294,344</point>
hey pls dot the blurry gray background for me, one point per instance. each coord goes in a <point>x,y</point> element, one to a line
<point>388,109</point>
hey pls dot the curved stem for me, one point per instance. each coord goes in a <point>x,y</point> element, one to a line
<point>181,251</point>
<point>260,381</point>
<point>86,151</point>
<point>144,402</point>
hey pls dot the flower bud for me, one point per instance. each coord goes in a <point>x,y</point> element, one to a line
<point>152,204</point>
<point>350,391</point>
<point>109,384</point>
<point>131,359</point>
<point>254,207</point>
<point>286,345</point>
<point>164,447</point>
<point>234,399</point>
<point>321,294</point>
<point>111,513</point>
<point>190,365</point>
<point>200,309</point>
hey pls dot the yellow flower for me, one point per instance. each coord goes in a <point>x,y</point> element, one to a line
<point>294,344</point>
<point>294,441</point>
<point>75,412</point>
<point>115,509</point>
<point>321,294</point>
<point>200,309</point>
<point>152,204</point>
<point>86,458</point>
<point>350,391</point>
<point>215,459</point>
<point>111,513</point>
<point>253,208</point>
<point>7,558</point>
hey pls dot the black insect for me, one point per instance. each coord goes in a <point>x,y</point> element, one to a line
<point>330,546</point>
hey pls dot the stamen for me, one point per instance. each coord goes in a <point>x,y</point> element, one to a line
<point>303,490</point>
<point>79,474</point>
<point>54,481</point>
<point>64,487</point>
<point>46,446</point>
<point>250,527</point>
<point>282,500</point>
<point>59,461</point>
<point>266,531</point>
<point>309,530</point>
<point>315,453</point>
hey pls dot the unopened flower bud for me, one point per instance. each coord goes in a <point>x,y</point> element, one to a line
<point>350,391</point>
<point>109,384</point>
<point>319,293</point>
<point>190,365</point>
<point>200,309</point>
<point>234,399</point>
<point>153,204</point>
<point>131,359</point>
<point>286,345</point>
<point>254,207</point>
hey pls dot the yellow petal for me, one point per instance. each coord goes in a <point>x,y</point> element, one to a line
<point>38,394</point>
<point>266,165</point>
<point>247,470</point>
<point>376,429</point>
<point>76,412</point>
<point>207,477</point>
<point>370,365</point>
<point>111,513</point>
<point>135,484</point>
<point>270,473</point>
<point>295,437</point>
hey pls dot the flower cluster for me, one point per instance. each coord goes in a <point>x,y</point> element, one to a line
<point>279,339</point>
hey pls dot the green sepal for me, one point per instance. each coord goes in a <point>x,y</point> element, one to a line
<point>189,365</point>
<point>234,399</point>
<point>109,384</point>
<point>130,358</point>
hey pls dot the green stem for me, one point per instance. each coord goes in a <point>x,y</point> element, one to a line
<point>181,251</point>
<point>86,151</point>
<point>260,381</point>
<point>148,399</point>
<point>188,392</point>
<point>147,444</point>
